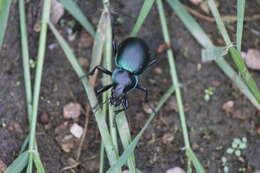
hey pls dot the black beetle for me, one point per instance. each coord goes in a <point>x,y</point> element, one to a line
<point>132,59</point>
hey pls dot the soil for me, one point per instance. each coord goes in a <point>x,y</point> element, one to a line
<point>212,130</point>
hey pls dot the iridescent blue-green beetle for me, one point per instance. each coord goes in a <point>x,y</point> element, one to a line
<point>132,59</point>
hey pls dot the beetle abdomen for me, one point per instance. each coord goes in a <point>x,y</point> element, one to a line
<point>133,55</point>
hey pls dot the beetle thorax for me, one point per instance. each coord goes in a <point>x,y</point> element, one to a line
<point>123,82</point>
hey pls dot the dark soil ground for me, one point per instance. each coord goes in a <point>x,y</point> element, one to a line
<point>211,129</point>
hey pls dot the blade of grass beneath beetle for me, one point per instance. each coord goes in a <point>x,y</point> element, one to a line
<point>142,15</point>
<point>125,131</point>
<point>131,147</point>
<point>125,136</point>
<point>175,82</point>
<point>234,53</point>
<point>240,22</point>
<point>4,13</point>
<point>108,65</point>
<point>100,118</point>
<point>99,43</point>
<point>75,11</point>
<point>199,34</point>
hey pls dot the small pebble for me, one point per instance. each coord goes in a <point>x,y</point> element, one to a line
<point>175,170</point>
<point>216,83</point>
<point>15,126</point>
<point>228,106</point>
<point>44,118</point>
<point>76,130</point>
<point>61,128</point>
<point>71,110</point>
<point>147,109</point>
<point>85,40</point>
<point>3,166</point>
<point>158,70</point>
<point>196,2</point>
<point>83,62</point>
<point>168,138</point>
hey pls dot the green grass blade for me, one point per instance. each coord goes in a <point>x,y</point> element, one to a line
<point>4,13</point>
<point>25,54</point>
<point>100,118</point>
<point>75,11</point>
<point>125,136</point>
<point>195,160</point>
<point>240,22</point>
<point>213,53</point>
<point>199,34</point>
<point>234,53</point>
<point>219,22</point>
<point>142,15</point>
<point>130,149</point>
<point>100,39</point>
<point>108,65</point>
<point>175,82</point>
<point>25,144</point>
<point>18,164</point>
<point>38,78</point>
<point>38,163</point>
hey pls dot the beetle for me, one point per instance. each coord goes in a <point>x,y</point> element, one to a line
<point>132,59</point>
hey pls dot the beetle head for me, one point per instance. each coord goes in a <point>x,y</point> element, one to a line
<point>117,95</point>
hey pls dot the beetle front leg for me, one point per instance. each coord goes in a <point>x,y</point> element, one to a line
<point>140,87</point>
<point>102,69</point>
<point>101,90</point>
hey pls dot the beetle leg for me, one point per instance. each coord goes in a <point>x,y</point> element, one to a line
<point>153,61</point>
<point>140,87</point>
<point>100,90</point>
<point>102,69</point>
<point>115,46</point>
<point>125,103</point>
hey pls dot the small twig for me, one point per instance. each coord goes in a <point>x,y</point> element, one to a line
<point>82,139</point>
<point>227,18</point>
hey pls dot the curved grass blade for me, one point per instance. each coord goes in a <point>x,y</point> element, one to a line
<point>102,126</point>
<point>234,53</point>
<point>130,149</point>
<point>75,11</point>
<point>199,34</point>
<point>19,163</point>
<point>142,15</point>
<point>4,13</point>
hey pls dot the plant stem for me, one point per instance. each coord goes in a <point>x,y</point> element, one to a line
<point>173,73</point>
<point>25,53</point>
<point>38,76</point>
